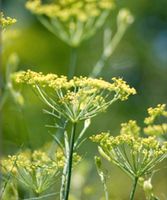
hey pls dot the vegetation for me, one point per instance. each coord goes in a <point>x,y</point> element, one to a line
<point>56,167</point>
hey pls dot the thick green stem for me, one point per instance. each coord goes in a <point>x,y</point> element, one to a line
<point>133,188</point>
<point>73,62</point>
<point>70,161</point>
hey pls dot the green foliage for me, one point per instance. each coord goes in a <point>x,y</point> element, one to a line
<point>72,102</point>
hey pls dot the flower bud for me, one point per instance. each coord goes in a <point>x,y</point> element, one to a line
<point>103,154</point>
<point>147,186</point>
<point>87,123</point>
<point>125,17</point>
<point>98,162</point>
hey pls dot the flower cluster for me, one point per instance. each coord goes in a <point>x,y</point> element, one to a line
<point>72,20</point>
<point>7,34</point>
<point>146,184</point>
<point>155,113</point>
<point>130,128</point>
<point>6,21</point>
<point>65,9</point>
<point>156,129</point>
<point>36,170</point>
<point>77,99</point>
<point>136,156</point>
<point>122,88</point>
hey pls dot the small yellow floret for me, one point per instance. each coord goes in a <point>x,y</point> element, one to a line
<point>159,110</point>
<point>130,128</point>
<point>6,21</point>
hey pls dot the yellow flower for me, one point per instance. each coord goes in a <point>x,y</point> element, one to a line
<point>77,99</point>
<point>35,169</point>
<point>6,21</point>
<point>130,128</point>
<point>134,154</point>
<point>156,129</point>
<point>120,86</point>
<point>72,21</point>
<point>156,112</point>
<point>137,156</point>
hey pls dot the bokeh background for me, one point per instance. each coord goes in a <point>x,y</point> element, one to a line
<point>140,58</point>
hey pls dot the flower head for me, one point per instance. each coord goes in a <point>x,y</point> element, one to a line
<point>137,156</point>
<point>155,113</point>
<point>7,34</point>
<point>120,86</point>
<point>156,130</point>
<point>133,153</point>
<point>77,99</point>
<point>72,20</point>
<point>130,128</point>
<point>36,170</point>
<point>6,21</point>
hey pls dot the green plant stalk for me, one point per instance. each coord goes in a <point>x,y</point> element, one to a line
<point>64,182</point>
<point>44,196</point>
<point>103,180</point>
<point>70,161</point>
<point>65,169</point>
<point>73,62</point>
<point>102,176</point>
<point>132,194</point>
<point>105,191</point>
<point>108,51</point>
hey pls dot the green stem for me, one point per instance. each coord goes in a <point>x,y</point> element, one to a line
<point>64,180</point>
<point>73,62</point>
<point>44,196</point>
<point>105,191</point>
<point>108,51</point>
<point>70,161</point>
<point>133,188</point>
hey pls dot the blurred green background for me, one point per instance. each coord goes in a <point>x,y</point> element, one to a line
<point>140,58</point>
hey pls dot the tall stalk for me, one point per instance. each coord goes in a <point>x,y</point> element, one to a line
<point>73,62</point>
<point>132,194</point>
<point>70,161</point>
